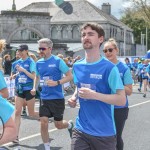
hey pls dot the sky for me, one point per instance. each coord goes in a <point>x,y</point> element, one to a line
<point>116,5</point>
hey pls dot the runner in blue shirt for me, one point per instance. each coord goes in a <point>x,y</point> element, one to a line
<point>99,87</point>
<point>145,76</point>
<point>15,75</point>
<point>121,112</point>
<point>49,71</point>
<point>6,109</point>
<point>26,73</point>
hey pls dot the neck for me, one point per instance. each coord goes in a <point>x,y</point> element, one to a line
<point>92,57</point>
<point>24,57</point>
<point>115,61</point>
<point>48,56</point>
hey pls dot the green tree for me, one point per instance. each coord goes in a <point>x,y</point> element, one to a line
<point>142,8</point>
<point>138,24</point>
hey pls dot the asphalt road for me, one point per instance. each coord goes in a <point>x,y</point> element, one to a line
<point>136,134</point>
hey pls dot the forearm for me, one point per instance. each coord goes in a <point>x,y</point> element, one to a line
<point>75,94</point>
<point>128,90</point>
<point>115,99</point>
<point>30,75</point>
<point>36,82</point>
<point>67,78</point>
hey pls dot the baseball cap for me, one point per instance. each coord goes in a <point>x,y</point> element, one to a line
<point>22,47</point>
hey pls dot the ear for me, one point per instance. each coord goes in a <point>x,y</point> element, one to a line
<point>101,39</point>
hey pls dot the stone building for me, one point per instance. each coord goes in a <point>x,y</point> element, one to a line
<point>65,22</point>
<point>67,19</point>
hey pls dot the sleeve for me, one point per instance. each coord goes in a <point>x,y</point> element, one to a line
<point>2,81</point>
<point>148,69</point>
<point>6,109</point>
<point>32,67</point>
<point>115,81</point>
<point>75,80</point>
<point>36,70</point>
<point>63,67</point>
<point>127,77</point>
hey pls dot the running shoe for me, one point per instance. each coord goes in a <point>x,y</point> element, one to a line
<point>139,90</point>
<point>144,95</point>
<point>24,113</point>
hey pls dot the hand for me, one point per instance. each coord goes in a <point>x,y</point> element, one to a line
<point>20,69</point>
<point>86,93</point>
<point>72,102</point>
<point>33,91</point>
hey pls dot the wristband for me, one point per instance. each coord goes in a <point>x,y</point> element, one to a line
<point>58,82</point>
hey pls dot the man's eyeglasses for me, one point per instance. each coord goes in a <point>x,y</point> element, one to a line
<point>109,49</point>
<point>42,48</point>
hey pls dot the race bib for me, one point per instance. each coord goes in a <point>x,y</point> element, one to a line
<point>43,81</point>
<point>22,80</point>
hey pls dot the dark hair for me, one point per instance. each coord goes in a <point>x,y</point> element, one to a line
<point>94,26</point>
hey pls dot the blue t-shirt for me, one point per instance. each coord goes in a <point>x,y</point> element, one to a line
<point>2,81</point>
<point>23,80</point>
<point>95,117</point>
<point>52,68</point>
<point>6,109</point>
<point>126,77</point>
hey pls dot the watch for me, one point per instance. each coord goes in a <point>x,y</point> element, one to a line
<point>58,82</point>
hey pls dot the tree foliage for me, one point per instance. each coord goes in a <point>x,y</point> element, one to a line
<point>142,8</point>
<point>137,18</point>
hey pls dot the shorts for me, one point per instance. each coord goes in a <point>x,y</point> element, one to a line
<point>83,141</point>
<point>52,108</point>
<point>25,94</point>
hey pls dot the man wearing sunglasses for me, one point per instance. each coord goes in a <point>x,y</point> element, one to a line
<point>99,87</point>
<point>49,71</point>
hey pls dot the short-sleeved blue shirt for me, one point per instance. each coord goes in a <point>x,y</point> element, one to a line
<point>96,117</point>
<point>6,109</point>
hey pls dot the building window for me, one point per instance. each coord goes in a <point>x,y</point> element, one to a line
<point>54,33</point>
<point>64,33</point>
<point>75,33</point>
<point>34,35</point>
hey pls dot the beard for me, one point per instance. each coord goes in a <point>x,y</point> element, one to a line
<point>87,45</point>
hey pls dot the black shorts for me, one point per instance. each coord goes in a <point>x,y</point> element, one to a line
<point>83,141</point>
<point>25,94</point>
<point>52,108</point>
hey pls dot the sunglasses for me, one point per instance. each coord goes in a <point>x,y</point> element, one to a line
<point>42,48</point>
<point>109,49</point>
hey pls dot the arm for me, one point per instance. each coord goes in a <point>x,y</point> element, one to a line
<point>10,133</point>
<point>35,85</point>
<point>29,74</point>
<point>67,78</point>
<point>73,100</point>
<point>114,99</point>
<point>128,89</point>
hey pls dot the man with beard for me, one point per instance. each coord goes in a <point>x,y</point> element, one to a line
<point>49,71</point>
<point>99,88</point>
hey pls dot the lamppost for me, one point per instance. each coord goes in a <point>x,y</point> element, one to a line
<point>142,41</point>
